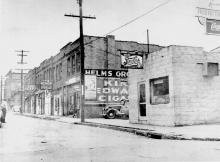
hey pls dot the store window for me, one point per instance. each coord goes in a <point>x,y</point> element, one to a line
<point>159,90</point>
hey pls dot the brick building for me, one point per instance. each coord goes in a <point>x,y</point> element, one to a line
<point>12,87</point>
<point>179,85</point>
<point>57,79</point>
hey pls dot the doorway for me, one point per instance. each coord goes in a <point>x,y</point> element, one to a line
<point>142,101</point>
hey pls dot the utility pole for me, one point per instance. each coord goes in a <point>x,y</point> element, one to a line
<point>148,43</point>
<point>22,84</point>
<point>1,88</point>
<point>82,77</point>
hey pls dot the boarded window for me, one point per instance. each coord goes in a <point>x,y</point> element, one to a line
<point>159,89</point>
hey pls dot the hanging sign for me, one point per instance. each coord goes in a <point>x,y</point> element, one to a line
<point>131,60</point>
<point>213,26</point>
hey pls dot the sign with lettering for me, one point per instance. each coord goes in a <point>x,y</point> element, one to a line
<point>45,85</point>
<point>107,73</point>
<point>213,26</point>
<point>111,90</point>
<point>131,60</point>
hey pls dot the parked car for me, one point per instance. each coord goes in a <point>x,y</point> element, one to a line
<point>16,108</point>
<point>113,111</point>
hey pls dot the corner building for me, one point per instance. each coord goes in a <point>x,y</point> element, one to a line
<point>179,85</point>
<point>57,87</point>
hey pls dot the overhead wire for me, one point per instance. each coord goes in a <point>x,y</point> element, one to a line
<point>129,22</point>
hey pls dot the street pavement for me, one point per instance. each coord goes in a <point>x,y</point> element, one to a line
<point>208,132</point>
<point>26,139</point>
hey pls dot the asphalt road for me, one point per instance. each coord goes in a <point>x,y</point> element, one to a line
<point>24,139</point>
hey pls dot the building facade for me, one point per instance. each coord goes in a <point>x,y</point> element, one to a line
<point>12,88</point>
<point>57,79</point>
<point>179,85</point>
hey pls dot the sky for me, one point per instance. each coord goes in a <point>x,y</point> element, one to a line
<point>40,27</point>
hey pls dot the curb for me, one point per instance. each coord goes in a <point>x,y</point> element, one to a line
<point>137,131</point>
<point>145,132</point>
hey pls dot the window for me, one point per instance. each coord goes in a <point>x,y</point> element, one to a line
<point>57,78</point>
<point>60,71</point>
<point>159,90</point>
<point>68,66</point>
<point>78,62</point>
<point>73,64</point>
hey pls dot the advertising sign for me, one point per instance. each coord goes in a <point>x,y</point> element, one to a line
<point>107,73</point>
<point>208,13</point>
<point>111,90</point>
<point>213,26</point>
<point>90,87</point>
<point>46,85</point>
<point>106,86</point>
<point>131,60</point>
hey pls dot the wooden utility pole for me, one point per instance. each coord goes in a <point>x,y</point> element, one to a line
<point>148,43</point>
<point>82,56</point>
<point>1,88</point>
<point>22,83</point>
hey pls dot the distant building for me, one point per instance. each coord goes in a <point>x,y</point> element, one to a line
<point>179,85</point>
<point>57,79</point>
<point>12,88</point>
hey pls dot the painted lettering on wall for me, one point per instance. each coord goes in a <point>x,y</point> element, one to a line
<point>111,89</point>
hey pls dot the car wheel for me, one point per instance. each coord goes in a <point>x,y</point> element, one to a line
<point>111,114</point>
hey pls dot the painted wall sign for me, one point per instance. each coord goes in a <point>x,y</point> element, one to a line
<point>46,85</point>
<point>131,60</point>
<point>208,9</point>
<point>208,13</point>
<point>90,87</point>
<point>107,73</point>
<point>213,26</point>
<point>111,90</point>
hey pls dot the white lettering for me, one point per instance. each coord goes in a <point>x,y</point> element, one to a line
<point>98,90</point>
<point>102,98</point>
<point>124,91</point>
<point>109,73</point>
<point>108,82</point>
<point>115,90</point>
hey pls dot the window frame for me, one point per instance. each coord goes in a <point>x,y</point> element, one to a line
<point>159,99</point>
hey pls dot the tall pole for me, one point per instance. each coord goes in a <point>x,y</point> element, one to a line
<point>82,56</point>
<point>1,89</point>
<point>22,79</point>
<point>82,62</point>
<point>148,43</point>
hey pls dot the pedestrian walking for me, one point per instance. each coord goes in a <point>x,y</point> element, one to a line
<point>3,110</point>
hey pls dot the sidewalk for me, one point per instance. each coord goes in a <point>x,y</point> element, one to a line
<point>209,132</point>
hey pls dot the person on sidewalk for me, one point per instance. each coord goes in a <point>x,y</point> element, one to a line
<point>3,110</point>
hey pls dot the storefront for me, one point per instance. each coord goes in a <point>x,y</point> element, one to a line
<point>179,85</point>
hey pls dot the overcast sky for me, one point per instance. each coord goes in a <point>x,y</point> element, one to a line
<point>40,26</point>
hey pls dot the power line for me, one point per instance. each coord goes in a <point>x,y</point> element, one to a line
<point>131,21</point>
<point>22,84</point>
